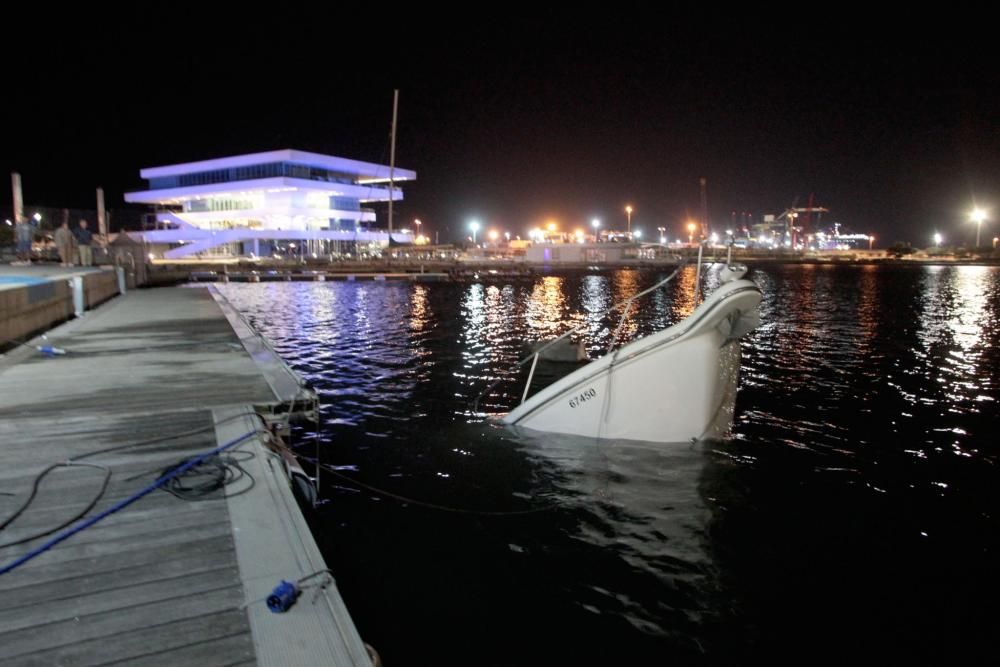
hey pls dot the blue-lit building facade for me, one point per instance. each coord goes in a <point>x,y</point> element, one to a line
<point>261,203</point>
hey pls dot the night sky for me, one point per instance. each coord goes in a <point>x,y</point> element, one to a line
<point>546,115</point>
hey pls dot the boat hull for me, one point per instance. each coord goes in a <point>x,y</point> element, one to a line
<point>677,385</point>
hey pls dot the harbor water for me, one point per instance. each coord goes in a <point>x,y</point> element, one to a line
<point>853,512</point>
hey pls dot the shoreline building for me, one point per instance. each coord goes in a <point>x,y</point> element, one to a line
<point>284,201</point>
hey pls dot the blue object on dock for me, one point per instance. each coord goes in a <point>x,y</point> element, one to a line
<point>50,351</point>
<point>283,597</point>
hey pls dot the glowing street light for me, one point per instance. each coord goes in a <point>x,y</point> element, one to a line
<point>474,226</point>
<point>638,233</point>
<point>494,235</point>
<point>871,241</point>
<point>691,227</point>
<point>662,230</point>
<point>596,224</point>
<point>418,223</point>
<point>937,239</point>
<point>977,216</point>
<point>628,212</point>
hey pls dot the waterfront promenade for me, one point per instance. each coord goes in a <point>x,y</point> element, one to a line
<point>148,380</point>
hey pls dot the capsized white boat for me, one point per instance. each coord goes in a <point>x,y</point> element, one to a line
<point>674,386</point>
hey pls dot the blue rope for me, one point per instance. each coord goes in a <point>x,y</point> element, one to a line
<point>69,532</point>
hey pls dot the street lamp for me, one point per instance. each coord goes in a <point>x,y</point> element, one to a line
<point>662,230</point>
<point>691,227</point>
<point>474,226</point>
<point>418,223</point>
<point>628,212</point>
<point>977,216</point>
<point>871,241</point>
<point>937,239</point>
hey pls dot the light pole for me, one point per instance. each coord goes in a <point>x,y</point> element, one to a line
<point>474,226</point>
<point>937,239</point>
<point>418,223</point>
<point>871,241</point>
<point>596,223</point>
<point>628,212</point>
<point>662,230</point>
<point>691,227</point>
<point>977,216</point>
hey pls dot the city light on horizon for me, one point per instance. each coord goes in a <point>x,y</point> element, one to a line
<point>978,216</point>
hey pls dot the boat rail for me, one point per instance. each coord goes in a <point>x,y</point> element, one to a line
<point>627,304</point>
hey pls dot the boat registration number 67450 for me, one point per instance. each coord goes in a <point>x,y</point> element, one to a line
<point>583,397</point>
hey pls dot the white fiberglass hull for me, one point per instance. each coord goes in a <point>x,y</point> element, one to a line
<point>676,385</point>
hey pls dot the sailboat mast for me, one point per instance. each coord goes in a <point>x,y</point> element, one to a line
<point>392,154</point>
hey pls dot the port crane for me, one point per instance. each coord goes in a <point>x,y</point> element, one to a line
<point>791,214</point>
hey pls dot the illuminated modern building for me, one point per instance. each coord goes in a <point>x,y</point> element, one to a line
<point>263,203</point>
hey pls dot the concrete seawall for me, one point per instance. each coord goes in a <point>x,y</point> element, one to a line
<point>33,299</point>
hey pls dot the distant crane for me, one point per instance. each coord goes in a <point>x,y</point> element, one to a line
<point>791,214</point>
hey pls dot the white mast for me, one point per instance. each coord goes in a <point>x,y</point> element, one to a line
<point>392,155</point>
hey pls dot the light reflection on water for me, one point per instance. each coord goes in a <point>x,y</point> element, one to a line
<point>867,404</point>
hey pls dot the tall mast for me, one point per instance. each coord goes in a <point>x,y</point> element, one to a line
<point>392,154</point>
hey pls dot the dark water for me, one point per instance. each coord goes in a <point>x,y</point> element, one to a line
<point>854,512</point>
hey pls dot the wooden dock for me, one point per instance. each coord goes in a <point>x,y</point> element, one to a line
<point>160,376</point>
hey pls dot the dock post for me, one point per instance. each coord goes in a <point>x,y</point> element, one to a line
<point>120,272</point>
<point>76,284</point>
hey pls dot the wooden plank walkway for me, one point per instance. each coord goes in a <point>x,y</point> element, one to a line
<point>164,581</point>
